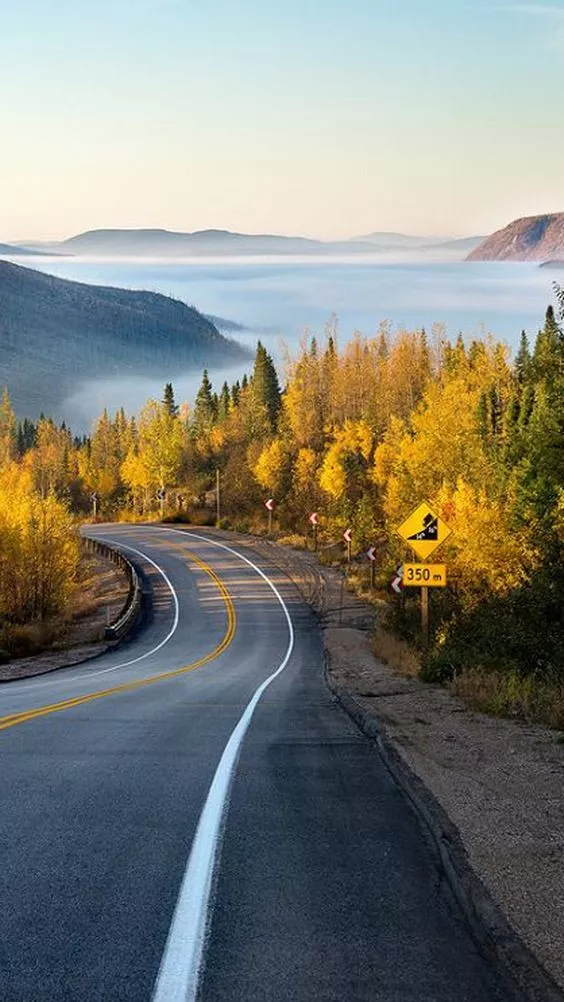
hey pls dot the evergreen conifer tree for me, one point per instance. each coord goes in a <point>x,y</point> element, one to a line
<point>205,411</point>
<point>266,388</point>
<point>169,401</point>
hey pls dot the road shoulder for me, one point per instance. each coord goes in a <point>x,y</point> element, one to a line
<point>490,790</point>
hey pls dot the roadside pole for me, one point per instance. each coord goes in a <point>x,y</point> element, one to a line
<point>347,536</point>
<point>425,615</point>
<point>94,498</point>
<point>424,531</point>
<point>314,520</point>
<point>217,497</point>
<point>371,554</point>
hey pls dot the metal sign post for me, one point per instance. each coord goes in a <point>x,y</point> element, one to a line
<point>371,554</point>
<point>94,499</point>
<point>314,521</point>
<point>424,531</point>
<point>161,495</point>
<point>347,536</point>
<point>217,497</point>
<point>270,504</point>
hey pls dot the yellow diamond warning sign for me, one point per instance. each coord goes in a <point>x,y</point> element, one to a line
<point>424,531</point>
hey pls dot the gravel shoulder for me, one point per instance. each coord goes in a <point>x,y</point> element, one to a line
<point>499,782</point>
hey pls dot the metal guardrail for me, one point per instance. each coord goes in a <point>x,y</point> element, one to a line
<point>132,607</point>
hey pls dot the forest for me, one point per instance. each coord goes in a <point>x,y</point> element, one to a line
<point>360,433</point>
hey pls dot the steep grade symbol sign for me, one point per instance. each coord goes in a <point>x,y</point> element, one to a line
<point>424,531</point>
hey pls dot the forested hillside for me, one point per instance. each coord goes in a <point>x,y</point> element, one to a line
<point>55,333</point>
<point>361,434</point>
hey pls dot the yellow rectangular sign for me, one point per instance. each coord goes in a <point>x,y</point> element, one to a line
<point>424,575</point>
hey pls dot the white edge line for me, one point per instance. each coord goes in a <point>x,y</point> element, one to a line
<point>178,977</point>
<point>125,664</point>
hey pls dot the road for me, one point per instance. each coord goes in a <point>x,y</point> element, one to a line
<point>194,816</point>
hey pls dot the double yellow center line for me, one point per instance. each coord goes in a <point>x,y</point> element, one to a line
<point>42,711</point>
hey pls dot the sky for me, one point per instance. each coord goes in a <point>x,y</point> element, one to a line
<point>325,118</point>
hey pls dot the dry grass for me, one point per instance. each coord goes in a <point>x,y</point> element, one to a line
<point>22,641</point>
<point>294,540</point>
<point>395,652</point>
<point>510,695</point>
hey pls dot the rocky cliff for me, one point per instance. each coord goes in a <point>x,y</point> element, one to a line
<point>534,238</point>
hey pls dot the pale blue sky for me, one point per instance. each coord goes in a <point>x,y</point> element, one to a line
<point>320,117</point>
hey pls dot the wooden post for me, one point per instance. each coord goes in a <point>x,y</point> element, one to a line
<point>425,615</point>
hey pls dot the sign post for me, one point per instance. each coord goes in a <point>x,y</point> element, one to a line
<point>217,497</point>
<point>424,532</point>
<point>347,536</point>
<point>371,554</point>
<point>94,499</point>
<point>396,583</point>
<point>269,505</point>
<point>161,495</point>
<point>314,521</point>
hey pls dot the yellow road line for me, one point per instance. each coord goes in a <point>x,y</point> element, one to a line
<point>41,711</point>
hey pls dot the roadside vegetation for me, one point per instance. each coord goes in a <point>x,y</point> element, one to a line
<point>361,434</point>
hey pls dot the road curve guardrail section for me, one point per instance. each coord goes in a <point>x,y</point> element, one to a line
<point>132,607</point>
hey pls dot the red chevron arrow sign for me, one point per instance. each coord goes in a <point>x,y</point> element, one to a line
<point>347,535</point>
<point>270,504</point>
<point>371,553</point>
<point>314,518</point>
<point>396,583</point>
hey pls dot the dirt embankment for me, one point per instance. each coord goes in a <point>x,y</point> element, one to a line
<point>98,600</point>
<point>500,782</point>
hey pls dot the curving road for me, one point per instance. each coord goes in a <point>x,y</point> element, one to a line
<point>194,817</point>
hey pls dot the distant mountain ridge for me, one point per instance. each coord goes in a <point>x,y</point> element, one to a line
<point>201,243</point>
<point>532,238</point>
<point>225,243</point>
<point>15,250</point>
<point>55,334</point>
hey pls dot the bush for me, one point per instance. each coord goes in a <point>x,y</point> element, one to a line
<point>177,518</point>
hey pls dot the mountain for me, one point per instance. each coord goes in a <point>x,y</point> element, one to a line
<point>534,238</point>
<point>202,243</point>
<point>461,245</point>
<point>556,265</point>
<point>397,241</point>
<point>15,250</point>
<point>55,334</point>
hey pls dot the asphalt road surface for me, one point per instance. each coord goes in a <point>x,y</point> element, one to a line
<point>194,816</point>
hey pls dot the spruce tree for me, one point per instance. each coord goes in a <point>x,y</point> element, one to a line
<point>548,356</point>
<point>266,388</point>
<point>224,403</point>
<point>204,408</point>
<point>169,401</point>
<point>523,360</point>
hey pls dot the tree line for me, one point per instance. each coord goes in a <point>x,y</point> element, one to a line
<point>361,433</point>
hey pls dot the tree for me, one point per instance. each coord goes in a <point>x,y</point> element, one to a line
<point>168,400</point>
<point>205,413</point>
<point>266,389</point>
<point>8,430</point>
<point>523,360</point>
